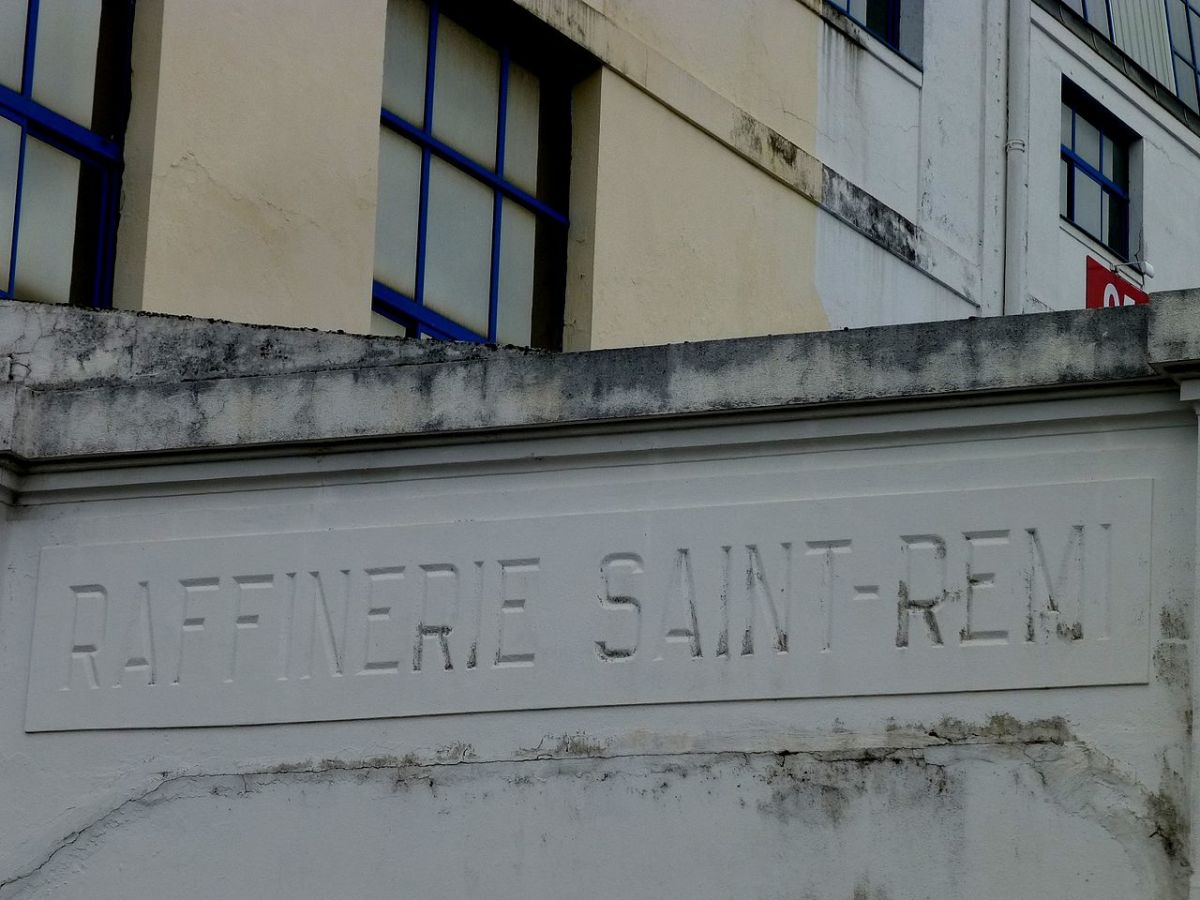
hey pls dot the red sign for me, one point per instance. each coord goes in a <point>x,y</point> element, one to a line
<point>1106,288</point>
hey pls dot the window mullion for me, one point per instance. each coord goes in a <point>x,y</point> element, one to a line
<point>31,19</point>
<point>497,197</point>
<point>16,229</point>
<point>426,161</point>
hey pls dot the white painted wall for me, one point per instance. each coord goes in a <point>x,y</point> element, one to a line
<point>1166,165</point>
<point>1037,786</point>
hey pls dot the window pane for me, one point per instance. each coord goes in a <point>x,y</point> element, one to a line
<point>516,275</point>
<point>396,217</point>
<point>466,93</point>
<point>1195,20</point>
<point>12,42</point>
<point>1177,17</point>
<point>912,29</point>
<point>45,242</point>
<point>405,48</point>
<point>1076,5</point>
<point>1116,162</point>
<point>1185,82</point>
<point>1116,229</point>
<point>876,19</point>
<point>10,151</point>
<point>458,255</point>
<point>1066,126</point>
<point>1097,16</point>
<point>384,326</point>
<point>1087,141</point>
<point>64,66</point>
<point>1064,172</point>
<point>1087,204</point>
<point>521,129</point>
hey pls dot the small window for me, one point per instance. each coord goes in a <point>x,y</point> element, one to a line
<point>1094,171</point>
<point>898,23</point>
<point>64,85</point>
<point>1183,23</point>
<point>474,150</point>
<point>1095,12</point>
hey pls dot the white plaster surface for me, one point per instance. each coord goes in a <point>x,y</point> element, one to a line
<point>1071,788</point>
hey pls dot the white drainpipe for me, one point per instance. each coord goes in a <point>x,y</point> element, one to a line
<point>1016,180</point>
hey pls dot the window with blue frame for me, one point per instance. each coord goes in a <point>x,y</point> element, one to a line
<point>1095,12</point>
<point>1094,183</point>
<point>898,23</point>
<point>474,151</point>
<point>1183,28</point>
<point>1183,23</point>
<point>64,86</point>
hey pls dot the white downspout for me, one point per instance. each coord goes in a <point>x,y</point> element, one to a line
<point>1016,157</point>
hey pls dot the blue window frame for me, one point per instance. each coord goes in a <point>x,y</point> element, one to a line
<point>474,145</point>
<point>64,86</point>
<point>1183,23</point>
<point>898,23</point>
<point>1094,171</point>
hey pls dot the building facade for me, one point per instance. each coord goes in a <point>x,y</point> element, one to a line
<point>586,174</point>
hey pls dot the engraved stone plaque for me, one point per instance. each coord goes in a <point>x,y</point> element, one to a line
<point>1027,587</point>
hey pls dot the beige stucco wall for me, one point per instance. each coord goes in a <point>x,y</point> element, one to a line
<point>252,152</point>
<point>685,240</point>
<point>763,55</point>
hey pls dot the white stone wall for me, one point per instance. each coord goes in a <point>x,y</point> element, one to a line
<point>893,613</point>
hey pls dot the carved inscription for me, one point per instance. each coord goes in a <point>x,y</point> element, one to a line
<point>1026,587</point>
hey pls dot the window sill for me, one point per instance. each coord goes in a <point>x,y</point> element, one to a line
<point>860,37</point>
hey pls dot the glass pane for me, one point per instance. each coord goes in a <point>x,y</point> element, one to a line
<point>1105,216</point>
<point>64,65</point>
<point>46,239</point>
<point>1177,17</point>
<point>858,9</point>
<point>877,17</point>
<point>396,217</point>
<point>1087,204</point>
<point>1116,228</point>
<point>1087,141</point>
<point>1185,82</point>
<point>912,29</point>
<point>1195,20</point>
<point>1116,162</point>
<point>1076,5</point>
<point>382,325</point>
<point>10,154</point>
<point>521,128</point>
<point>1064,172</point>
<point>1097,16</point>
<point>515,313</point>
<point>1066,126</point>
<point>466,93</point>
<point>404,59</point>
<point>12,42</point>
<point>458,254</point>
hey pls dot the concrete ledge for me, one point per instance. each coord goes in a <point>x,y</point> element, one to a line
<point>83,383</point>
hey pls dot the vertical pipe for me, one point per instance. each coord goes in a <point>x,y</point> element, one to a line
<point>1016,175</point>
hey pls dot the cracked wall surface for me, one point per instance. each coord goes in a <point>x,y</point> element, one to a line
<point>797,824</point>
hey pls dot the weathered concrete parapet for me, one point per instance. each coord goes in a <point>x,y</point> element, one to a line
<point>865,615</point>
<point>116,382</point>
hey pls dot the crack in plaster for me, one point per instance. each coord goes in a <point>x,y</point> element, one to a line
<point>1080,780</point>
